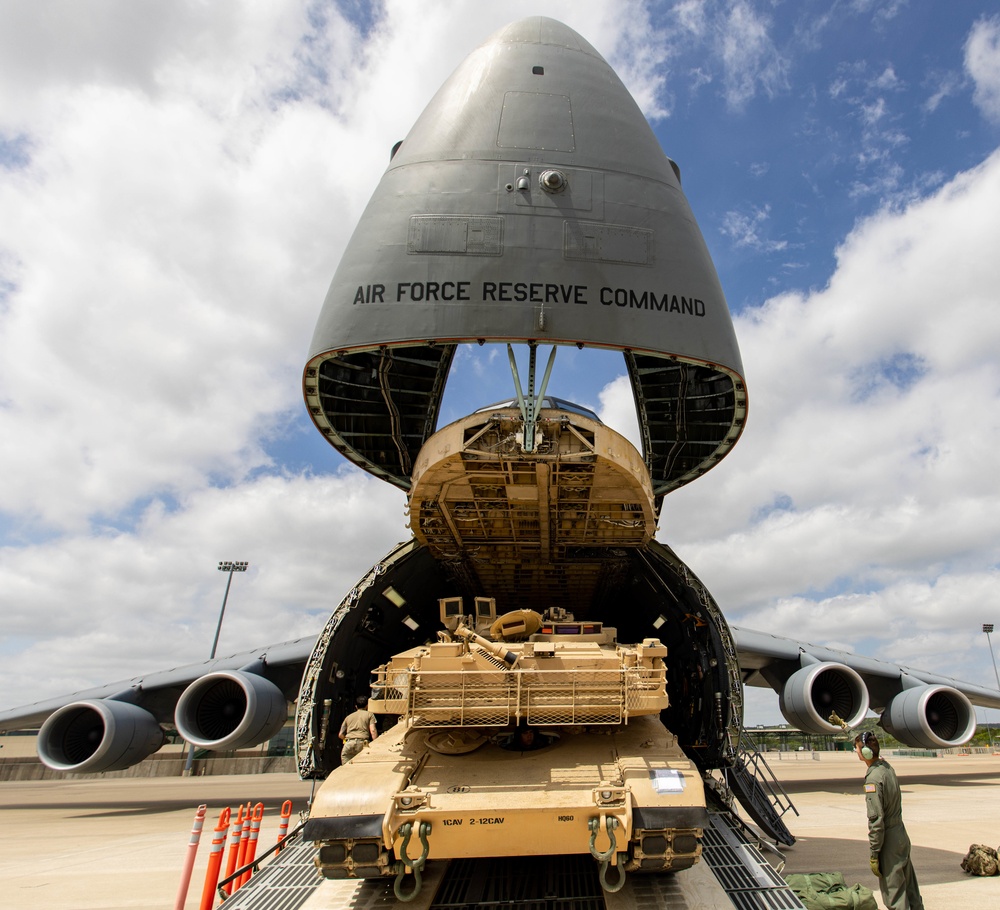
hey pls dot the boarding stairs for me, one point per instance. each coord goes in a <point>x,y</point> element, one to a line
<point>752,782</point>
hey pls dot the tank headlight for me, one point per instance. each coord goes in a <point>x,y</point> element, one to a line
<point>609,795</point>
<point>409,801</point>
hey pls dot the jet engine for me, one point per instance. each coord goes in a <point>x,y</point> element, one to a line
<point>930,717</point>
<point>230,709</point>
<point>98,735</point>
<point>819,690</point>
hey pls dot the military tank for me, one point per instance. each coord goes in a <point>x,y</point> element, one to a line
<point>520,735</point>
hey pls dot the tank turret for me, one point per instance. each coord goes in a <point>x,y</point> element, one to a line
<point>561,674</point>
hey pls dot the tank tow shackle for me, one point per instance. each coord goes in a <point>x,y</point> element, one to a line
<point>610,823</point>
<point>417,865</point>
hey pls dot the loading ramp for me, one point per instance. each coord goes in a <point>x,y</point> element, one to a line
<point>733,874</point>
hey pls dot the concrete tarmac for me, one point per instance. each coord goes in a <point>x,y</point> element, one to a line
<point>949,803</point>
<point>116,844</point>
<point>99,844</point>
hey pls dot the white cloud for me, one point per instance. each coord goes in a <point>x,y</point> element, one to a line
<point>745,230</point>
<point>617,409</point>
<point>692,16</point>
<point>185,176</point>
<point>751,61</point>
<point>887,80</point>
<point>177,224</point>
<point>868,462</point>
<point>943,85</point>
<point>729,41</point>
<point>860,509</point>
<point>880,11</point>
<point>94,609</point>
<point>982,62</point>
<point>877,102</point>
<point>183,185</point>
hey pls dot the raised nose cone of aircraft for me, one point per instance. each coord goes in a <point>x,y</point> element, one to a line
<point>530,202</point>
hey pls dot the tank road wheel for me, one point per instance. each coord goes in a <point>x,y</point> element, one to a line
<point>666,850</point>
<point>354,858</point>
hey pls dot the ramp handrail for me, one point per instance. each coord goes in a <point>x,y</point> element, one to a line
<point>766,785</point>
<point>254,866</point>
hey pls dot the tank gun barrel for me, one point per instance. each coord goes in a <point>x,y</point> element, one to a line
<point>495,648</point>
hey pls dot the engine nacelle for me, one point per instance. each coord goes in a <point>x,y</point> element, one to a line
<point>930,717</point>
<point>818,690</point>
<point>98,735</point>
<point>230,709</point>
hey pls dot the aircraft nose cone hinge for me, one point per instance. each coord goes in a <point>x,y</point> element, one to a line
<point>529,404</point>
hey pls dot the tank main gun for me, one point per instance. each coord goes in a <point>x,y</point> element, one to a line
<point>484,644</point>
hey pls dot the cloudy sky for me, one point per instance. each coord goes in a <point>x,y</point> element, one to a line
<point>178,180</point>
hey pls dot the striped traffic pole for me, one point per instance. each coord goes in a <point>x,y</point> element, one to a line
<point>255,819</point>
<point>234,848</point>
<point>182,890</point>
<point>242,852</point>
<point>286,814</point>
<point>215,861</point>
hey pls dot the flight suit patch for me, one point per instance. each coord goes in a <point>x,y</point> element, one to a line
<point>869,788</point>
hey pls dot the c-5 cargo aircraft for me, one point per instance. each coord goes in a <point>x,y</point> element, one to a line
<point>530,205</point>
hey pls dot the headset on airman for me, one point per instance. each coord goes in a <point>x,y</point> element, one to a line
<point>866,752</point>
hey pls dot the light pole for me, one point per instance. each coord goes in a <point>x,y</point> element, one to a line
<point>230,567</point>
<point>987,628</point>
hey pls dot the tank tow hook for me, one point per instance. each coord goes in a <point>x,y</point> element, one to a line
<point>610,823</point>
<point>417,865</point>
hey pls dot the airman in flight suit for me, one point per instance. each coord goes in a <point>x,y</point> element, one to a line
<point>889,842</point>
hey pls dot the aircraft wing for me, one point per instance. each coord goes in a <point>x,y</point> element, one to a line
<point>241,700</point>
<point>227,703</point>
<point>919,708</point>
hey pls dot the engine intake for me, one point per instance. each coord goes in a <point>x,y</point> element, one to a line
<point>230,709</point>
<point>930,717</point>
<point>98,735</point>
<point>816,691</point>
